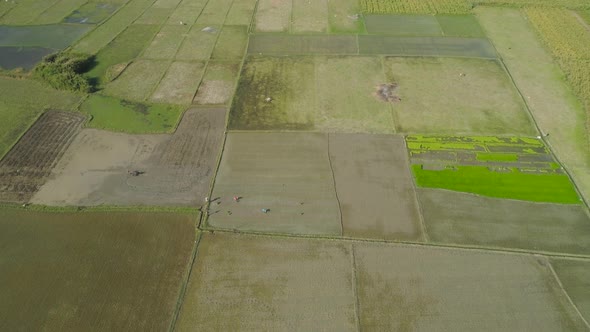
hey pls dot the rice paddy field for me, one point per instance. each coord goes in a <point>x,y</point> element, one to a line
<point>346,165</point>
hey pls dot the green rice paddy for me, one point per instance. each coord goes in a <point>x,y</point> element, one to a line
<point>515,168</point>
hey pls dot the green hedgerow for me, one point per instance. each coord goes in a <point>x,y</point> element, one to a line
<point>63,71</point>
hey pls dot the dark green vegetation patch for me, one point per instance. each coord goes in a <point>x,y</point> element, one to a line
<point>517,168</point>
<point>427,46</point>
<point>403,25</point>
<point>113,59</point>
<point>63,71</point>
<point>460,26</point>
<point>131,117</point>
<point>272,44</point>
<point>91,270</point>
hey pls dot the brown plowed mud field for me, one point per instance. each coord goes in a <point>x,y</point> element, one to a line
<point>27,165</point>
<point>287,173</point>
<point>461,218</point>
<point>92,271</point>
<point>374,186</point>
<point>172,169</point>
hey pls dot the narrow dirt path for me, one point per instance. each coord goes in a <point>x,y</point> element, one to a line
<point>581,20</point>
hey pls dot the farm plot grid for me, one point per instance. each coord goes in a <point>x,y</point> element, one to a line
<point>506,167</point>
<point>283,283</point>
<point>316,184</point>
<point>26,167</point>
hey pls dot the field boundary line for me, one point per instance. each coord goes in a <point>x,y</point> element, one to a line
<point>415,191</point>
<point>566,293</point>
<point>187,275</point>
<point>493,250</point>
<point>355,284</point>
<point>335,190</point>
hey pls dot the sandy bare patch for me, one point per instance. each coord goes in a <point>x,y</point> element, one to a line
<point>215,92</point>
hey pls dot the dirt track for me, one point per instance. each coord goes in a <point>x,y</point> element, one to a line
<point>176,168</point>
<point>26,166</point>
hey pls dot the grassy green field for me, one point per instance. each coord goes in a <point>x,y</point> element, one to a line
<point>105,33</point>
<point>138,80</point>
<point>126,47</point>
<point>91,13</point>
<point>514,184</point>
<point>130,117</point>
<point>166,43</point>
<point>231,43</point>
<point>198,44</point>
<point>22,102</point>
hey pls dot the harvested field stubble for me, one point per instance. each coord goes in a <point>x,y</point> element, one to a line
<point>374,186</point>
<point>431,289</point>
<point>331,94</point>
<point>309,16</point>
<point>28,164</point>
<point>452,95</point>
<point>218,83</point>
<point>568,40</point>
<point>179,84</point>
<point>575,277</point>
<point>85,271</point>
<point>288,173</point>
<point>273,15</point>
<point>242,282</point>
<point>461,218</point>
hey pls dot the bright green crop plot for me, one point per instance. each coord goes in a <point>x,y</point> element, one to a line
<point>554,188</point>
<point>130,117</point>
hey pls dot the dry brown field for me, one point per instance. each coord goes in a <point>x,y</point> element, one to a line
<point>175,169</point>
